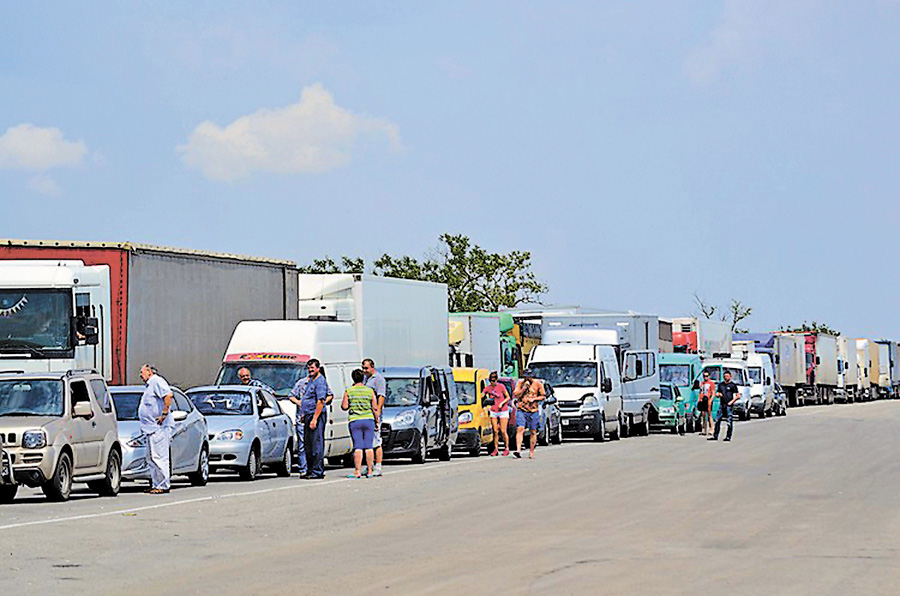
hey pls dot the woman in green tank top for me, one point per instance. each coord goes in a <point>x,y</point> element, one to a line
<point>359,401</point>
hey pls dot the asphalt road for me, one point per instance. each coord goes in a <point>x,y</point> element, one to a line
<point>808,504</point>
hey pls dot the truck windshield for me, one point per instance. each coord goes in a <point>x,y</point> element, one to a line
<point>677,374</point>
<point>126,405</point>
<point>566,374</point>
<point>35,320</point>
<point>467,394</point>
<point>280,377</point>
<point>31,398</point>
<point>755,373</point>
<point>716,374</point>
<point>222,403</point>
<point>402,392</point>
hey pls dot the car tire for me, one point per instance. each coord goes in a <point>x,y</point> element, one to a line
<point>201,476</point>
<point>419,456</point>
<point>556,439</point>
<point>8,493</point>
<point>283,467</point>
<point>59,487</point>
<point>601,432</point>
<point>112,480</point>
<point>251,470</point>
<point>544,436</point>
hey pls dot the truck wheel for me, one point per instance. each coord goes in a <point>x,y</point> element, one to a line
<point>112,481</point>
<point>251,470</point>
<point>59,487</point>
<point>419,456</point>
<point>601,433</point>
<point>201,476</point>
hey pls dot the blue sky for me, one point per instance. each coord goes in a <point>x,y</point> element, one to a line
<point>641,151</point>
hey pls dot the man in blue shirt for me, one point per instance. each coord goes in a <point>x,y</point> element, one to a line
<point>156,424</point>
<point>310,395</point>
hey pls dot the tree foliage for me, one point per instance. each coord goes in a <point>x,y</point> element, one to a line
<point>737,312</point>
<point>477,280</point>
<point>813,327</point>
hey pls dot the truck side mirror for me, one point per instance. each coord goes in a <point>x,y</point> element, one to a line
<point>606,386</point>
<point>85,331</point>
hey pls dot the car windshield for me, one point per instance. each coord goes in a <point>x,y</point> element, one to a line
<point>566,374</point>
<point>35,320</point>
<point>665,392</point>
<point>677,374</point>
<point>402,392</point>
<point>127,405</point>
<point>279,376</point>
<point>32,397</point>
<point>755,373</point>
<point>466,390</point>
<point>222,403</point>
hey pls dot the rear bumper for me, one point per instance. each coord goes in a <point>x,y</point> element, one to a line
<point>466,439</point>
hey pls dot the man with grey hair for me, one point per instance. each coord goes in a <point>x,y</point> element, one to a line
<point>156,424</point>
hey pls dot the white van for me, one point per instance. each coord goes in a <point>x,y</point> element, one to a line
<point>739,376</point>
<point>586,383</point>
<point>762,384</point>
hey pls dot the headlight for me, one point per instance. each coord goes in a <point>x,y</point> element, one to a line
<point>465,417</point>
<point>666,411</point>
<point>590,403</point>
<point>405,418</point>
<point>34,439</point>
<point>230,435</point>
<point>138,441</point>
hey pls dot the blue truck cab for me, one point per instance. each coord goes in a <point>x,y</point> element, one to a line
<point>681,370</point>
<point>420,414</point>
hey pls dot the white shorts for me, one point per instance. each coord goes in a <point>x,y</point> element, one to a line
<point>504,414</point>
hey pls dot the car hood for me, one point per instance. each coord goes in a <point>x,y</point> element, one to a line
<point>391,412</point>
<point>19,424</point>
<point>128,429</point>
<point>216,424</point>
<point>572,394</point>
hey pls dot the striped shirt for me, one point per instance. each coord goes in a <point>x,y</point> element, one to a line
<point>360,401</point>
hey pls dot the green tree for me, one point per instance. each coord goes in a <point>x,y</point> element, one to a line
<point>477,280</point>
<point>810,328</point>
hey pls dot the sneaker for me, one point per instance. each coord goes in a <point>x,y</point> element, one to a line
<point>505,452</point>
<point>727,439</point>
<point>712,438</point>
<point>517,454</point>
<point>377,470</point>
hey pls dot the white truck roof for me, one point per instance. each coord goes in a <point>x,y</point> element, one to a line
<point>329,341</point>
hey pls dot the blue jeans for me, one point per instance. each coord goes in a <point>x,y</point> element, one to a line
<point>725,411</point>
<point>312,447</point>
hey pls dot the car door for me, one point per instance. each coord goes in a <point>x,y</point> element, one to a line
<point>88,436</point>
<point>182,448</point>
<point>430,406</point>
<point>265,430</point>
<point>640,384</point>
<point>279,427</point>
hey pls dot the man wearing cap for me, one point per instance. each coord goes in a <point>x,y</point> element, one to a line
<point>528,394</point>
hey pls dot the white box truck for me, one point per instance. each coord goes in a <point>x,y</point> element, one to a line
<point>848,377</point>
<point>887,368</point>
<point>635,341</point>
<point>343,319</point>
<point>696,335</point>
<point>867,364</point>
<point>474,341</point>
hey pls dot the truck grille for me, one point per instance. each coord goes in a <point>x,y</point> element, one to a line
<point>569,407</point>
<point>8,439</point>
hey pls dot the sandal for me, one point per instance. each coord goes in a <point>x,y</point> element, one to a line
<point>158,491</point>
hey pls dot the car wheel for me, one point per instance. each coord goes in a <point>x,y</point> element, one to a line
<point>601,432</point>
<point>251,470</point>
<point>419,456</point>
<point>112,481</point>
<point>8,492</point>
<point>283,467</point>
<point>59,487</point>
<point>556,439</point>
<point>476,450</point>
<point>201,476</point>
<point>544,436</point>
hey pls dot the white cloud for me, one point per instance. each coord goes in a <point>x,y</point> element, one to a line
<point>746,32</point>
<point>29,147</point>
<point>45,185</point>
<point>311,136</point>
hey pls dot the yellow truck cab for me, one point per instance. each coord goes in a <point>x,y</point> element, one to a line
<point>474,417</point>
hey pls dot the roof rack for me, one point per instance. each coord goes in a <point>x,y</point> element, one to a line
<point>81,371</point>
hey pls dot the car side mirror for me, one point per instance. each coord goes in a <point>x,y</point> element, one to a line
<point>82,410</point>
<point>179,415</point>
<point>606,387</point>
<point>550,400</point>
<point>267,413</point>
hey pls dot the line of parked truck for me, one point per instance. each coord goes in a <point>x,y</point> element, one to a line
<point>78,319</point>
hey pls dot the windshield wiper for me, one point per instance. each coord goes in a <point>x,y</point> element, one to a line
<point>20,344</point>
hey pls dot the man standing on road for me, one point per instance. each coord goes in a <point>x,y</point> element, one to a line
<point>376,383</point>
<point>728,394</point>
<point>247,379</point>
<point>310,395</point>
<point>704,406</point>
<point>528,393</point>
<point>156,424</point>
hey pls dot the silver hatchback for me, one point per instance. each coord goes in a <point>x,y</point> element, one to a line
<point>247,429</point>
<point>189,450</point>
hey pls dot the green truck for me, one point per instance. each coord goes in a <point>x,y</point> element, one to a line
<point>681,371</point>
